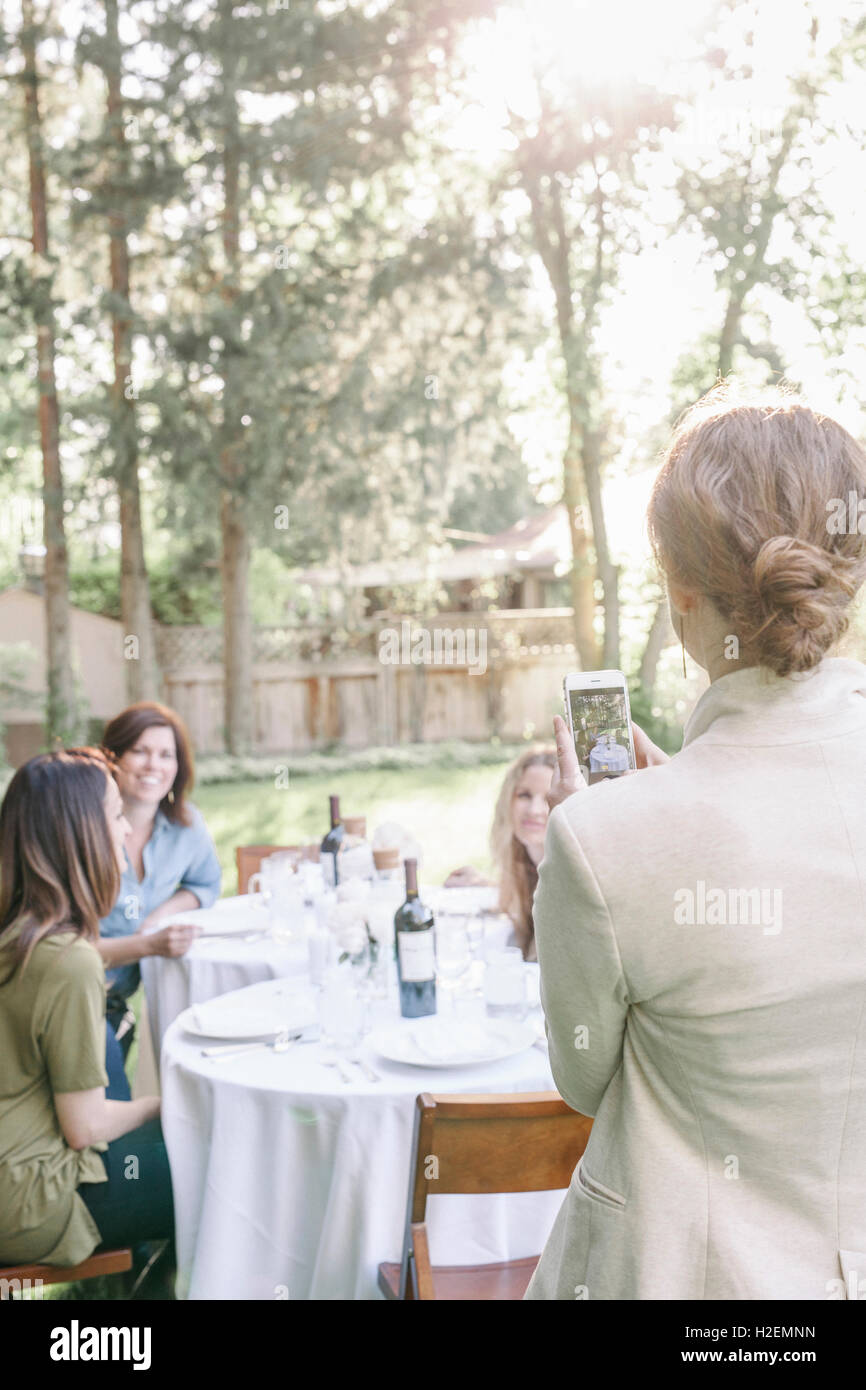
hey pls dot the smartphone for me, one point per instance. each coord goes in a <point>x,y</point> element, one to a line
<point>597,712</point>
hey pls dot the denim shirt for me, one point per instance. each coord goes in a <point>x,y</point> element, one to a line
<point>175,857</point>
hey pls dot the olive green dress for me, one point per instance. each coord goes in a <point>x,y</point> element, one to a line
<point>52,1040</point>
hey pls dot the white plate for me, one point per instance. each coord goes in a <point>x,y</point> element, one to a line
<point>419,1042</point>
<point>259,1011</point>
<point>237,916</point>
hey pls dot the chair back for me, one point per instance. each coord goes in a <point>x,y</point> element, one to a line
<point>526,1142</point>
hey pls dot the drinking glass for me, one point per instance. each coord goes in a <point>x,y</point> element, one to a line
<point>320,952</point>
<point>505,984</point>
<point>342,1010</point>
<point>280,898</point>
<point>453,953</point>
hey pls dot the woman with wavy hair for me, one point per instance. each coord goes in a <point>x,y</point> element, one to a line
<point>172,863</point>
<point>62,1160</point>
<point>517,841</point>
<point>701,924</point>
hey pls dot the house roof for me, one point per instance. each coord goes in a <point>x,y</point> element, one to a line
<point>536,543</point>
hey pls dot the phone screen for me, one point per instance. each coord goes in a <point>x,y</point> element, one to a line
<point>599,719</point>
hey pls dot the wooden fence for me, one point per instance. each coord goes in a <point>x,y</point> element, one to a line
<point>387,681</point>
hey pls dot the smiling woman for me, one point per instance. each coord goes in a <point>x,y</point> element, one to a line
<point>172,863</point>
<point>517,841</point>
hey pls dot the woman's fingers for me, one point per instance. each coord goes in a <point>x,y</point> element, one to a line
<point>175,940</point>
<point>567,778</point>
<point>647,753</point>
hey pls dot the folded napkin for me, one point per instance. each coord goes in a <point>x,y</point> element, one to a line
<point>229,1017</point>
<point>446,1043</point>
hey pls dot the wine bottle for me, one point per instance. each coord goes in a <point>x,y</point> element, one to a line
<point>332,844</point>
<point>416,961</point>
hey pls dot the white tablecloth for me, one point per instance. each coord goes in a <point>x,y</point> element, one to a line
<point>290,1184</point>
<point>214,966</point>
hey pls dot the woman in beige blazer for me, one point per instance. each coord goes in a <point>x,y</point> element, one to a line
<point>701,925</point>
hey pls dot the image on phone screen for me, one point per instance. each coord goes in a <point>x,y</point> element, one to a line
<point>600,722</point>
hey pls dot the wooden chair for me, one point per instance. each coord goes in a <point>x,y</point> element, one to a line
<point>475,1143</point>
<point>103,1263</point>
<point>249,859</point>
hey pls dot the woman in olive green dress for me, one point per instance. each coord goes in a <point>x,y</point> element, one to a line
<point>62,1189</point>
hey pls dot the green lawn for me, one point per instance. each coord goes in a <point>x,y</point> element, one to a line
<point>447,810</point>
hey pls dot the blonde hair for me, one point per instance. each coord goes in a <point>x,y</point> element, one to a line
<point>740,513</point>
<point>516,873</point>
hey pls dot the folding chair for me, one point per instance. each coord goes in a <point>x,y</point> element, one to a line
<point>469,1144</point>
<point>15,1277</point>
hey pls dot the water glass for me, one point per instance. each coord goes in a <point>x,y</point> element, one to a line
<point>505,984</point>
<point>342,1010</point>
<point>320,952</point>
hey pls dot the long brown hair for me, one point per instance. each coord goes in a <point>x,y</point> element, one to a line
<point>125,729</point>
<point>516,872</point>
<point>58,866</point>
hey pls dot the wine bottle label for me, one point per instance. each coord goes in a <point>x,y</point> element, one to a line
<point>417,962</point>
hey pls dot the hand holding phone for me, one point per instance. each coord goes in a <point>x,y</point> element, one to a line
<point>566,779</point>
<point>599,718</point>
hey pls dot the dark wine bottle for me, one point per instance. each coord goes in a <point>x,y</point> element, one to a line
<point>416,958</point>
<point>331,844</point>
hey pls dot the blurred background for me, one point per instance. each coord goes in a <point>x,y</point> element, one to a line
<point>320,318</point>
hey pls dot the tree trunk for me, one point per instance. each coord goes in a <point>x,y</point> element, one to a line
<point>142,677</point>
<point>660,635</point>
<point>581,577</point>
<point>730,332</point>
<point>754,269</point>
<point>237,626</point>
<point>581,490</point>
<point>61,719</point>
<point>608,572</point>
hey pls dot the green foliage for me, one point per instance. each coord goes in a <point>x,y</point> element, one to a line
<point>662,729</point>
<point>182,588</point>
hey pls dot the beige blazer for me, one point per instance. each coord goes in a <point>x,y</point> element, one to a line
<point>701,933</point>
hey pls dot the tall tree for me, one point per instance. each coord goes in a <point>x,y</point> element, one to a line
<point>755,181</point>
<point>577,166</point>
<point>61,721</point>
<point>142,677</point>
<point>339,84</point>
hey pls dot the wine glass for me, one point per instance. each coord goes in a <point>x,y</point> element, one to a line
<point>453,952</point>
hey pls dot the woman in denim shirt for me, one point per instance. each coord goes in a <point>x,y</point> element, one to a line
<point>172,863</point>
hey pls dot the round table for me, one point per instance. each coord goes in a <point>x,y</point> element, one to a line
<point>289,1183</point>
<point>217,965</point>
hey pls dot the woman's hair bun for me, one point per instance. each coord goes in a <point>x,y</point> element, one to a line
<point>802,593</point>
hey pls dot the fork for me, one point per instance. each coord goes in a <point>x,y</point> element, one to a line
<point>367,1070</point>
<point>335,1062</point>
